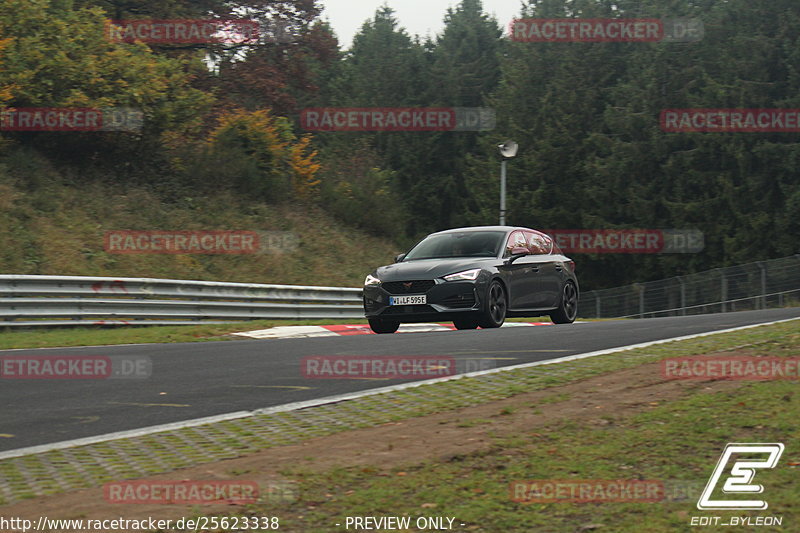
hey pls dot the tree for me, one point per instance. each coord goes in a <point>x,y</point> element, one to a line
<point>386,67</point>
<point>63,58</point>
<point>281,76</point>
<point>594,156</point>
<point>465,69</point>
<point>258,153</point>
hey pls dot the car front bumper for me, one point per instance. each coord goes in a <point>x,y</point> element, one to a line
<point>445,300</point>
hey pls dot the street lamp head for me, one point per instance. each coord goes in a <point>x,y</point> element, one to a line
<point>508,149</point>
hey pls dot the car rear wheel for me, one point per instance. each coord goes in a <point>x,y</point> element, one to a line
<point>568,308</point>
<point>466,323</point>
<point>383,326</point>
<point>494,313</point>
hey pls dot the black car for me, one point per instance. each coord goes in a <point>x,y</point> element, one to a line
<point>475,277</point>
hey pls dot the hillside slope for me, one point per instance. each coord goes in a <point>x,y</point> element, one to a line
<point>51,226</point>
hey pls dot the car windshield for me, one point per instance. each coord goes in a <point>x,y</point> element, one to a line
<point>458,244</point>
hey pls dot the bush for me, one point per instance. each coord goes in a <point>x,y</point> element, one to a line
<point>259,155</point>
<point>356,191</point>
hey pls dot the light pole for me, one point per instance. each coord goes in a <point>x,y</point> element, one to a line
<point>508,150</point>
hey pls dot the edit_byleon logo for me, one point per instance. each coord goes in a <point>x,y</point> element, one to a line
<point>740,479</point>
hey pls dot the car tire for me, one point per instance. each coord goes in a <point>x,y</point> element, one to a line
<point>494,313</point>
<point>383,326</point>
<point>567,309</point>
<point>466,323</point>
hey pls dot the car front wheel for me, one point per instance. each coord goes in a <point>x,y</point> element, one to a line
<point>494,314</point>
<point>383,326</point>
<point>568,308</point>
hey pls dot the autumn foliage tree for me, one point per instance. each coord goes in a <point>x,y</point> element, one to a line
<point>259,154</point>
<point>280,75</point>
<point>57,57</point>
<point>273,71</point>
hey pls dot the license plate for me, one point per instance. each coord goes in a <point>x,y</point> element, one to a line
<point>408,300</point>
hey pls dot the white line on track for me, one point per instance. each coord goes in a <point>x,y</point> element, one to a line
<point>349,396</point>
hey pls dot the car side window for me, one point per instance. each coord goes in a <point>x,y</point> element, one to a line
<point>548,244</point>
<point>515,240</point>
<point>531,243</point>
<point>540,244</point>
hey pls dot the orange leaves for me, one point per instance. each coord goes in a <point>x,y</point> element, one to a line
<point>6,89</point>
<point>269,141</point>
<point>304,182</point>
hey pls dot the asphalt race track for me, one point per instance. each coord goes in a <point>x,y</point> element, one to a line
<point>195,380</point>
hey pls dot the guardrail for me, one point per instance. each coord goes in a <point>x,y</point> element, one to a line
<point>759,285</point>
<point>79,300</point>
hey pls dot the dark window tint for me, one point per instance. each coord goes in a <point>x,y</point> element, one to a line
<point>460,244</point>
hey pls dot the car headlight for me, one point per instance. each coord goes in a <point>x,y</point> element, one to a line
<point>371,280</point>
<point>467,275</point>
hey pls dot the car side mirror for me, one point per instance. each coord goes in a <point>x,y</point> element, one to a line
<point>516,253</point>
<point>399,258</point>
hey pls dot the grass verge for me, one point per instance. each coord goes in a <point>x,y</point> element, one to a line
<point>54,472</point>
<point>677,443</point>
<point>107,335</point>
<point>11,338</point>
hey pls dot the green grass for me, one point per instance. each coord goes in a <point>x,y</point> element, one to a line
<point>472,422</point>
<point>58,228</point>
<point>676,442</point>
<point>48,337</point>
<point>106,335</point>
<point>164,452</point>
<point>680,442</point>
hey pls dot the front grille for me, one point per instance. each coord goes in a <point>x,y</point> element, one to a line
<point>416,287</point>
<point>460,301</point>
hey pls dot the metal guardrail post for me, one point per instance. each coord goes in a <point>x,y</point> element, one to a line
<point>723,290</point>
<point>763,298</point>
<point>683,295</point>
<point>640,289</point>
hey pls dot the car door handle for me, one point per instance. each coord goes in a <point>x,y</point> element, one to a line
<point>559,268</point>
<point>534,269</point>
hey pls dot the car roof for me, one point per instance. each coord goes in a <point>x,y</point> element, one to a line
<point>485,228</point>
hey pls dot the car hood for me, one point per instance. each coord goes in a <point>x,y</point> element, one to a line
<point>431,268</point>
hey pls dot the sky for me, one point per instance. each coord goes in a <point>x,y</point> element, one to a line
<point>418,17</point>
